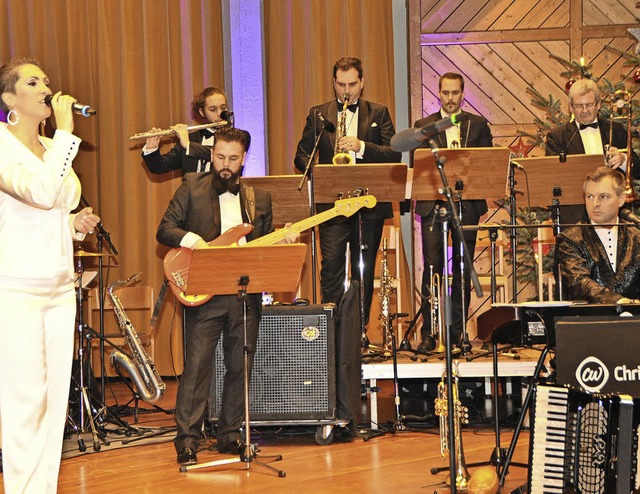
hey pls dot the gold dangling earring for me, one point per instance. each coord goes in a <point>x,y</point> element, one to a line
<point>17,117</point>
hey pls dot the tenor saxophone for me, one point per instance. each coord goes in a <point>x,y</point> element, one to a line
<point>461,416</point>
<point>139,366</point>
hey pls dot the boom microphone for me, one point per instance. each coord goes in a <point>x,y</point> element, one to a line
<point>79,108</point>
<point>329,127</point>
<point>410,139</point>
<point>627,215</point>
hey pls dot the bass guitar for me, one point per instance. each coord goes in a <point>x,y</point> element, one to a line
<point>177,261</point>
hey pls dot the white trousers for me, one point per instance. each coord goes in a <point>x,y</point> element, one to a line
<point>36,352</point>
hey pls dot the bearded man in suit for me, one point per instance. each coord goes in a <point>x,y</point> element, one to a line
<point>472,132</point>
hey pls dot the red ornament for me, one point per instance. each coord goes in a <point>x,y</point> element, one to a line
<point>636,76</point>
<point>568,85</point>
<point>520,149</point>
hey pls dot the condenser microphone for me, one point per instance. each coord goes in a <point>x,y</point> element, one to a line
<point>563,152</point>
<point>627,214</point>
<point>328,126</point>
<point>410,139</point>
<point>79,108</point>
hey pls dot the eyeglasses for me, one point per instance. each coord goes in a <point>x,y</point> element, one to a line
<point>586,106</point>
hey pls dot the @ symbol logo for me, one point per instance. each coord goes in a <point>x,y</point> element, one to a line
<point>592,374</point>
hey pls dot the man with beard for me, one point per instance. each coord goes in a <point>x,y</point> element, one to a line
<point>204,207</point>
<point>208,106</point>
<point>473,132</point>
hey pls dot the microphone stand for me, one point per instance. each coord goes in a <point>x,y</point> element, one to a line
<point>555,202</point>
<point>446,303</point>
<point>308,170</point>
<point>512,233</point>
<point>101,235</point>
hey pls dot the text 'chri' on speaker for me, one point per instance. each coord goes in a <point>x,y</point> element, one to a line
<point>293,376</point>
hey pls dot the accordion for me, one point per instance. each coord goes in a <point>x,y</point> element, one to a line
<point>582,443</point>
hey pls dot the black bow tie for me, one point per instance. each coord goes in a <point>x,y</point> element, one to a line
<point>593,125</point>
<point>352,108</point>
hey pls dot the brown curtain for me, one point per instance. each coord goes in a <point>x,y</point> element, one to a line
<point>303,40</point>
<point>139,63</point>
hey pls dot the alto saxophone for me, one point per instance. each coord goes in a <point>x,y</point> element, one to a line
<point>461,416</point>
<point>139,366</point>
<point>340,156</point>
<point>388,289</point>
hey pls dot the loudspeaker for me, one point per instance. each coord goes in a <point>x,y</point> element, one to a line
<point>294,369</point>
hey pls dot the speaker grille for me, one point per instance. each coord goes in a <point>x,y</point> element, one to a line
<point>293,374</point>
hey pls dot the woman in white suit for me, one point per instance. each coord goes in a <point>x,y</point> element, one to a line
<point>38,191</point>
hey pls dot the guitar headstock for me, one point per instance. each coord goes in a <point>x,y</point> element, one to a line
<point>351,205</point>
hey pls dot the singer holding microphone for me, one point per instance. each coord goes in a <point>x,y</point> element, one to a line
<point>600,263</point>
<point>38,191</point>
<point>472,131</point>
<point>208,106</point>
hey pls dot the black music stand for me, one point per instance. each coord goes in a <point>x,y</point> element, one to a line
<point>220,271</point>
<point>387,182</point>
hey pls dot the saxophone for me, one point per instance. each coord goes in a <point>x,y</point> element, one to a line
<point>140,367</point>
<point>387,290</point>
<point>340,156</point>
<point>461,416</point>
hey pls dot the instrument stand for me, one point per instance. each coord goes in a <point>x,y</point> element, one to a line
<point>249,454</point>
<point>465,345</point>
<point>525,408</point>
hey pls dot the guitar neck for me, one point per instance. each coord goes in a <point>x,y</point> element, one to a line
<point>300,226</point>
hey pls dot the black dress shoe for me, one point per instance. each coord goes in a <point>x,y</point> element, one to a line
<point>187,456</point>
<point>233,448</point>
<point>426,345</point>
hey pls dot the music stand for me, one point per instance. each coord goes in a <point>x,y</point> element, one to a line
<point>474,167</point>
<point>385,181</point>
<point>220,271</point>
<point>290,205</point>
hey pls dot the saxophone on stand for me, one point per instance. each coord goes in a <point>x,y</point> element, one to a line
<point>139,366</point>
<point>461,417</point>
<point>388,288</point>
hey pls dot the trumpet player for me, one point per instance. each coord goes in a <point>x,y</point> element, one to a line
<point>588,133</point>
<point>368,129</point>
<point>207,107</point>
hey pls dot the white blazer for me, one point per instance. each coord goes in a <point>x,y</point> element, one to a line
<point>36,200</point>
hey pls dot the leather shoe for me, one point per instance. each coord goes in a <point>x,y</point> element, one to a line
<point>232,448</point>
<point>187,456</point>
<point>426,345</point>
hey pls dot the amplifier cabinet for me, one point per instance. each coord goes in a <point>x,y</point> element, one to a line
<point>294,369</point>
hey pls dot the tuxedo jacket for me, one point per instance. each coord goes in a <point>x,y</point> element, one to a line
<point>195,208</point>
<point>375,128</point>
<point>474,133</point>
<point>178,159</point>
<point>566,139</point>
<point>585,268</point>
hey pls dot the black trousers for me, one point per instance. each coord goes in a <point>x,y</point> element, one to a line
<point>334,236</point>
<point>432,252</point>
<point>205,325</point>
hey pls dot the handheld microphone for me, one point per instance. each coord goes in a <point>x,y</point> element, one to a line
<point>79,108</point>
<point>410,139</point>
<point>627,215</point>
<point>226,115</point>
<point>329,127</point>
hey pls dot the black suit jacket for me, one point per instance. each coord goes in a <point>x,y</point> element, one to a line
<point>177,158</point>
<point>566,138</point>
<point>585,268</point>
<point>375,128</point>
<point>474,133</point>
<point>195,208</point>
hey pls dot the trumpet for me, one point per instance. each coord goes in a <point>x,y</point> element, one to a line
<point>192,128</point>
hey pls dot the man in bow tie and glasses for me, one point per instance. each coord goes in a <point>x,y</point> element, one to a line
<point>369,129</point>
<point>589,134</point>
<point>206,107</point>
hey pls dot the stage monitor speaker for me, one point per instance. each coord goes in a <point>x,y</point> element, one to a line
<point>294,369</point>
